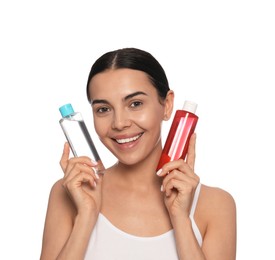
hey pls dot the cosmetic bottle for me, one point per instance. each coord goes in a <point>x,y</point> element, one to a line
<point>183,126</point>
<point>78,136</point>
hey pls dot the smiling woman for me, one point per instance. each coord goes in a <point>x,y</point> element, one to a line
<point>130,116</point>
<point>130,212</point>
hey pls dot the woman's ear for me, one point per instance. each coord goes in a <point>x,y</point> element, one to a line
<point>168,105</point>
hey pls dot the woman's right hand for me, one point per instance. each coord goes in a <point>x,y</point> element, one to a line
<point>81,182</point>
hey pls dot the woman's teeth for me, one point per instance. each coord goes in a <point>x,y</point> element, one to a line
<point>128,140</point>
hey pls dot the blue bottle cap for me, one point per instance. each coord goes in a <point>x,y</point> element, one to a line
<point>66,110</point>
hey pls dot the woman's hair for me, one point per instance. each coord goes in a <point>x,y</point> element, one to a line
<point>136,59</point>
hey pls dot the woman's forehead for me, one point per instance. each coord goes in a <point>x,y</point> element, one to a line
<point>121,82</point>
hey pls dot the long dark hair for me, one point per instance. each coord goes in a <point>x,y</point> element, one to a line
<point>132,58</point>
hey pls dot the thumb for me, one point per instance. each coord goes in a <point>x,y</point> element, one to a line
<point>65,156</point>
<point>191,155</point>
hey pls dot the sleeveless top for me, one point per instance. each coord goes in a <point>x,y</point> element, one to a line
<point>107,242</point>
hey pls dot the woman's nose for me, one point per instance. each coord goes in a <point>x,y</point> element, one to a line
<point>121,120</point>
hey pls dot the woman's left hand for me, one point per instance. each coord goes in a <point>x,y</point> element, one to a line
<point>180,182</point>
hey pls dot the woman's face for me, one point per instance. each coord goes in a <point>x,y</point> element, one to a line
<point>127,113</point>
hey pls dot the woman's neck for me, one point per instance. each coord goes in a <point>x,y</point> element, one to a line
<point>142,173</point>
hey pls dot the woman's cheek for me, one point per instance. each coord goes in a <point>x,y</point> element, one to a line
<point>150,118</point>
<point>100,127</point>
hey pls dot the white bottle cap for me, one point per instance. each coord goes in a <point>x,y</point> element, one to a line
<point>190,106</point>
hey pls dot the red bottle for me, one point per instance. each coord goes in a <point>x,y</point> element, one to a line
<point>183,126</point>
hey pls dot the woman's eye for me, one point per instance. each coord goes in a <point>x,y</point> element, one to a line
<point>102,110</point>
<point>136,104</point>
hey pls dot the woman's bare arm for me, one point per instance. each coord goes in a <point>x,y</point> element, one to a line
<point>219,241</point>
<point>66,233</point>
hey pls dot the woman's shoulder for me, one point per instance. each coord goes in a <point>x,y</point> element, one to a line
<point>216,215</point>
<point>57,185</point>
<point>57,190</point>
<point>215,201</point>
<point>59,199</point>
<point>216,196</point>
<point>59,220</point>
<point>215,193</point>
<point>216,212</point>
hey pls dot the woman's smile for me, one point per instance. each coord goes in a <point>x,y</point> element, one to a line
<point>124,140</point>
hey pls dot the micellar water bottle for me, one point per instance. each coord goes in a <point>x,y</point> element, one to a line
<point>177,142</point>
<point>78,136</point>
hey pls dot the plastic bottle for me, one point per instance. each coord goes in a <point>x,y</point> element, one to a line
<point>183,126</point>
<point>77,135</point>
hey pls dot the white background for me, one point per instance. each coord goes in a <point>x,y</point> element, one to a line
<point>217,53</point>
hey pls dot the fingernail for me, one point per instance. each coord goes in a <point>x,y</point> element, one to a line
<point>94,184</point>
<point>96,175</point>
<point>159,172</point>
<point>94,162</point>
<point>161,188</point>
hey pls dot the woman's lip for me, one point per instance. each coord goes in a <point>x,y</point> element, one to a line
<point>123,139</point>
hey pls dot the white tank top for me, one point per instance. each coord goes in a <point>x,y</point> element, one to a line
<point>107,242</point>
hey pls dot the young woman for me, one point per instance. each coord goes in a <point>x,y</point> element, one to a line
<point>130,211</point>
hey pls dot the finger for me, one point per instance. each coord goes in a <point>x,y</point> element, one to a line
<point>79,160</point>
<point>190,179</point>
<point>181,183</point>
<point>171,186</point>
<point>191,154</point>
<point>180,165</point>
<point>78,180</point>
<point>78,168</point>
<point>175,175</point>
<point>65,156</point>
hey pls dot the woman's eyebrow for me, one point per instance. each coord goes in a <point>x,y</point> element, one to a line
<point>99,101</point>
<point>135,94</point>
<point>104,101</point>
